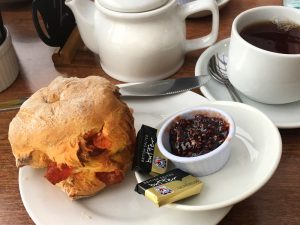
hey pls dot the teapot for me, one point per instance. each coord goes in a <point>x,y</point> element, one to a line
<point>140,40</point>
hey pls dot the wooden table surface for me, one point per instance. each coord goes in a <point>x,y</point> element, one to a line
<point>278,202</point>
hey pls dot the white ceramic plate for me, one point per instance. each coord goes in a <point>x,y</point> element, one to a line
<point>283,115</point>
<point>118,205</point>
<point>256,152</point>
<point>221,4</point>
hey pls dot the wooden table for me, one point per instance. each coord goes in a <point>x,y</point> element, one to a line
<point>278,202</point>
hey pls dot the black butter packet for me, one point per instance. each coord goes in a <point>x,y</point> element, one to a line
<point>148,158</point>
<point>145,144</point>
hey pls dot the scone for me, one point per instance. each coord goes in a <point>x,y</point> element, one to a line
<point>80,130</point>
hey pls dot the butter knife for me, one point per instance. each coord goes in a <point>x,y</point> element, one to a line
<point>146,89</point>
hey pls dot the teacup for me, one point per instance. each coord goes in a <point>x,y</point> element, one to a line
<point>263,75</point>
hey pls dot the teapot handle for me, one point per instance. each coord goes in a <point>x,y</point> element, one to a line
<point>196,6</point>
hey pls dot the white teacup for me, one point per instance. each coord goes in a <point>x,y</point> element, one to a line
<point>262,75</point>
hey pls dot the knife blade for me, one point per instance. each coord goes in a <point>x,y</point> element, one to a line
<point>163,87</point>
<point>12,104</point>
<point>146,89</point>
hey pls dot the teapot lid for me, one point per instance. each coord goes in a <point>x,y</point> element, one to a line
<point>132,6</point>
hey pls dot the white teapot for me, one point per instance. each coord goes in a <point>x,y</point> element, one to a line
<point>140,40</point>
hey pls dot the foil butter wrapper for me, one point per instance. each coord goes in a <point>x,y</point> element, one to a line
<point>169,187</point>
<point>159,162</point>
<point>148,159</point>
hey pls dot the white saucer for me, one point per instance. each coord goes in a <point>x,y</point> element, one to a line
<point>120,204</point>
<point>256,152</point>
<point>284,115</point>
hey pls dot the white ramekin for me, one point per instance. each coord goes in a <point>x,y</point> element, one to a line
<point>9,65</point>
<point>204,164</point>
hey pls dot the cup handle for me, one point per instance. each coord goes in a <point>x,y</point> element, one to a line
<point>195,6</point>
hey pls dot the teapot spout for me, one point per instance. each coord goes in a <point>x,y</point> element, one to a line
<point>84,13</point>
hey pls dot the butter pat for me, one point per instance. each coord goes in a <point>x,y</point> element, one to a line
<point>169,187</point>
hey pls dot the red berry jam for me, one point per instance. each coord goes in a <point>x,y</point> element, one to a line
<point>197,136</point>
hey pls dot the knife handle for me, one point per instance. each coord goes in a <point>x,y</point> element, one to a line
<point>11,104</point>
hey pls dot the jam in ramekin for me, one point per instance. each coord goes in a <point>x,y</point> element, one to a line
<point>197,136</point>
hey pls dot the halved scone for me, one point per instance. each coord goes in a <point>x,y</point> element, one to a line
<point>80,130</point>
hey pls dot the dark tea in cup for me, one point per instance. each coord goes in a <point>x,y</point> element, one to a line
<point>274,36</point>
